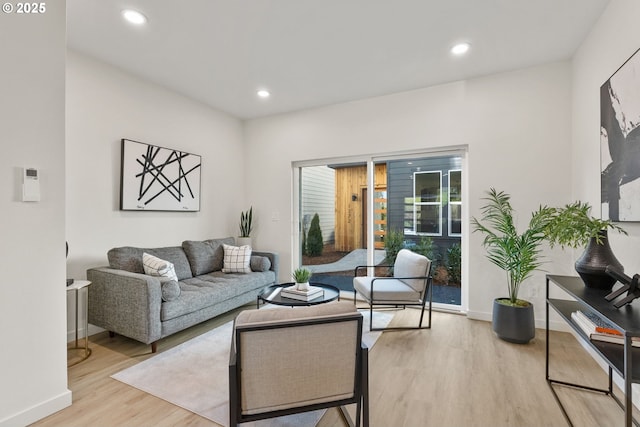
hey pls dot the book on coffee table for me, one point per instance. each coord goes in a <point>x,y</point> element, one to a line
<point>293,293</point>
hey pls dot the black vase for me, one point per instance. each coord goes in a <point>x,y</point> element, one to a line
<point>593,262</point>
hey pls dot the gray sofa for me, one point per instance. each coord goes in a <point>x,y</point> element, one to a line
<point>125,300</point>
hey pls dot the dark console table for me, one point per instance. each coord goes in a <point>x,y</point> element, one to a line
<point>624,359</point>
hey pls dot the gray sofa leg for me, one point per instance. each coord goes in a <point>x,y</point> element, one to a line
<point>154,346</point>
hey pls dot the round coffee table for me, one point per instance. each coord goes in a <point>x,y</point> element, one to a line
<point>271,295</point>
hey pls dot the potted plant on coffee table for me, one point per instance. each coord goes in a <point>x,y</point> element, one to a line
<point>518,254</point>
<point>302,277</point>
<point>573,226</point>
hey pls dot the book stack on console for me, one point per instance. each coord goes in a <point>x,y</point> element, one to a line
<point>598,329</point>
<point>293,293</point>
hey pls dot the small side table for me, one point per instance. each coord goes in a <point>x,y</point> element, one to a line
<point>76,286</point>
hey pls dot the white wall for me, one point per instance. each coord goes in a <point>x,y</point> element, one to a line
<point>516,125</point>
<point>104,105</point>
<point>33,371</point>
<point>611,42</point>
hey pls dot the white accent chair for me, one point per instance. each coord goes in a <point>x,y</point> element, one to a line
<point>409,286</point>
<point>285,361</point>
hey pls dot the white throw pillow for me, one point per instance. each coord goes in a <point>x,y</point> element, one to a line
<point>236,259</point>
<point>154,266</point>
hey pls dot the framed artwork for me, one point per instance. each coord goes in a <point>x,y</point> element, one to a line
<point>158,179</point>
<point>620,143</point>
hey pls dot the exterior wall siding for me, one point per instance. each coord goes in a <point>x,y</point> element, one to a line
<point>400,192</point>
<point>318,186</point>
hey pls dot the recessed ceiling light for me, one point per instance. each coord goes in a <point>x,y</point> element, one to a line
<point>460,48</point>
<point>262,93</point>
<point>134,17</point>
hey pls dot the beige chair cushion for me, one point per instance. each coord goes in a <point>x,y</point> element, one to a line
<point>385,290</point>
<point>280,315</point>
<point>294,366</point>
<point>411,264</point>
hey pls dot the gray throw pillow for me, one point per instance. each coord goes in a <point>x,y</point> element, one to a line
<point>129,258</point>
<point>170,290</point>
<point>205,256</point>
<point>259,263</point>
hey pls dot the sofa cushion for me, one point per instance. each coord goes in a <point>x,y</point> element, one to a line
<point>170,290</point>
<point>236,259</point>
<point>205,256</point>
<point>129,258</point>
<point>154,266</point>
<point>214,288</point>
<point>259,263</point>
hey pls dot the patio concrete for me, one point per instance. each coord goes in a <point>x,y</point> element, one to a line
<point>348,262</point>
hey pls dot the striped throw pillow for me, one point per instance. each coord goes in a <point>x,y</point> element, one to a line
<point>154,266</point>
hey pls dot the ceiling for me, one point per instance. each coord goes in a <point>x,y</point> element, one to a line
<point>310,53</point>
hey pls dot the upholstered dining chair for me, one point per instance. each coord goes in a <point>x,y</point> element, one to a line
<point>290,360</point>
<point>409,286</point>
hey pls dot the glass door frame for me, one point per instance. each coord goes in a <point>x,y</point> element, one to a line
<point>460,151</point>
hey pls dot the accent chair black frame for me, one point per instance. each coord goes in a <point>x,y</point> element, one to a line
<point>360,379</point>
<point>425,294</point>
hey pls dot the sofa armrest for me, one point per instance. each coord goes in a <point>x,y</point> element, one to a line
<point>273,257</point>
<point>125,303</point>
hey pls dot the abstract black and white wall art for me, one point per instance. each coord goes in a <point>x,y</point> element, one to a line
<point>620,143</point>
<point>159,179</point>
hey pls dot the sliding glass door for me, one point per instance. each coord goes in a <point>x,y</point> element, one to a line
<point>368,210</point>
<point>424,214</point>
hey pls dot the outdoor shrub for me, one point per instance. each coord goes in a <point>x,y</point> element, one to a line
<point>393,242</point>
<point>426,247</point>
<point>304,242</point>
<point>441,275</point>
<point>314,238</point>
<point>454,263</point>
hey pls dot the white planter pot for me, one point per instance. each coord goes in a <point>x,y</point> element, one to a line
<point>302,286</point>
<point>243,241</point>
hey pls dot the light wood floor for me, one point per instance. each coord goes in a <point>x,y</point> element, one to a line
<point>455,374</point>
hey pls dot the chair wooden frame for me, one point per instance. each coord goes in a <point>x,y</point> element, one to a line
<point>421,302</point>
<point>361,377</point>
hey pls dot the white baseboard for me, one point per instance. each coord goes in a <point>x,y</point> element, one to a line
<point>554,325</point>
<point>39,411</point>
<point>71,335</point>
<point>479,315</point>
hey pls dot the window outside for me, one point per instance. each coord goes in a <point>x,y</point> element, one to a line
<point>455,203</point>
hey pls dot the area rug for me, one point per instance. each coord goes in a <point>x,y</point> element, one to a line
<point>194,375</point>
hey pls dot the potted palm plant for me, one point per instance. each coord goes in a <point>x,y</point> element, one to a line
<point>572,225</point>
<point>519,255</point>
<point>246,225</point>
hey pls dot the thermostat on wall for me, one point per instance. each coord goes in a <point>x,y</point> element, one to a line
<point>30,185</point>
